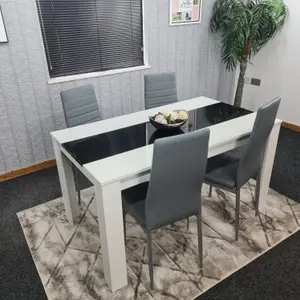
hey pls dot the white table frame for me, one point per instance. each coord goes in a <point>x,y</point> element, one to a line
<point>113,174</point>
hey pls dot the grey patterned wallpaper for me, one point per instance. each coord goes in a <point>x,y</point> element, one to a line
<point>30,108</point>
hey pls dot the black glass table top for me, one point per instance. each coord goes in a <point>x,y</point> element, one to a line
<point>119,141</point>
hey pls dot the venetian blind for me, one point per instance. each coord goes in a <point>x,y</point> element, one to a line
<point>82,36</point>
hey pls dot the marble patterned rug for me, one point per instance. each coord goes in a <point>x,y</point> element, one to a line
<point>69,261</point>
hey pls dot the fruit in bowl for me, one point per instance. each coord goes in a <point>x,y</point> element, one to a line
<point>182,115</point>
<point>160,118</point>
<point>169,120</point>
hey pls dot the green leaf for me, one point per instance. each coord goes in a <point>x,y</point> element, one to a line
<point>245,27</point>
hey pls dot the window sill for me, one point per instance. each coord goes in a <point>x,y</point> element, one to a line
<point>95,74</point>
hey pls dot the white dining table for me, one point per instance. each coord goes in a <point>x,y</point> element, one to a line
<point>112,174</point>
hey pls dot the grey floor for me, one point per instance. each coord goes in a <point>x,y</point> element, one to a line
<point>275,275</point>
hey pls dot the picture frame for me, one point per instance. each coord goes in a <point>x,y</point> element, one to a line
<point>184,12</point>
<point>3,33</point>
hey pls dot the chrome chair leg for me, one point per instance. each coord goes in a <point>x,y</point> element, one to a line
<point>150,262</point>
<point>237,214</point>
<point>210,191</point>
<point>200,239</point>
<point>257,190</point>
<point>78,195</point>
<point>124,225</point>
<point>76,176</point>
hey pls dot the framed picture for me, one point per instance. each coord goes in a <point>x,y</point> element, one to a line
<point>185,12</point>
<point>3,35</point>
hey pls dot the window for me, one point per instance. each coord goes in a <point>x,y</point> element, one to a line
<point>82,36</point>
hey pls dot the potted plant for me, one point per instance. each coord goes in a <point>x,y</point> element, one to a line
<point>245,27</point>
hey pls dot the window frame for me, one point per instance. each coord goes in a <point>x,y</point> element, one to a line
<point>66,78</point>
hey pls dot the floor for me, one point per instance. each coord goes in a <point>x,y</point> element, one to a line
<point>69,258</point>
<point>272,276</point>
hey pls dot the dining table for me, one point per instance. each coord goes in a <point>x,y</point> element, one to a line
<point>116,153</point>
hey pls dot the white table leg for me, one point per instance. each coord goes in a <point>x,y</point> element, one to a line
<point>268,166</point>
<point>110,217</point>
<point>67,183</point>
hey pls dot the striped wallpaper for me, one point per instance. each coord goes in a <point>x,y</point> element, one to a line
<point>30,108</point>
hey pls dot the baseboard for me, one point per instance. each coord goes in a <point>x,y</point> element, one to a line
<point>291,126</point>
<point>27,170</point>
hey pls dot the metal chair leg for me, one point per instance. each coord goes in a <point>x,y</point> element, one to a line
<point>78,194</point>
<point>237,214</point>
<point>124,225</point>
<point>150,262</point>
<point>76,175</point>
<point>187,224</point>
<point>257,190</point>
<point>200,239</point>
<point>210,191</point>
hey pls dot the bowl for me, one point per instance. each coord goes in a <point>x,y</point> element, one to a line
<point>158,134</point>
<point>170,126</point>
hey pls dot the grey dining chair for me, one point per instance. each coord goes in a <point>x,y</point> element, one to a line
<point>160,89</point>
<point>231,172</point>
<point>174,190</point>
<point>80,107</point>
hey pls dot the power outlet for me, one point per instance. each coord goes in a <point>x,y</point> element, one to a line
<point>255,81</point>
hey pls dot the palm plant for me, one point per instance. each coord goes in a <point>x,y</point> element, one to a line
<point>245,27</point>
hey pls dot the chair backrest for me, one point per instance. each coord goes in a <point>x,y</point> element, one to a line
<point>160,89</point>
<point>253,155</point>
<point>80,105</point>
<point>178,168</point>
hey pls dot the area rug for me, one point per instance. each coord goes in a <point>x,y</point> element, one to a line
<point>69,261</point>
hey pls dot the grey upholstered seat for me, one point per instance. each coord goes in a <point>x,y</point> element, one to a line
<point>174,190</point>
<point>80,107</point>
<point>160,89</point>
<point>232,172</point>
<point>221,170</point>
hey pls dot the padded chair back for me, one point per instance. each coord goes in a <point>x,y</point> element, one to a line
<point>177,174</point>
<point>253,155</point>
<point>80,105</point>
<point>160,89</point>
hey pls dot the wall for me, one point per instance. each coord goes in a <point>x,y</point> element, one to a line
<point>30,108</point>
<point>277,65</point>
